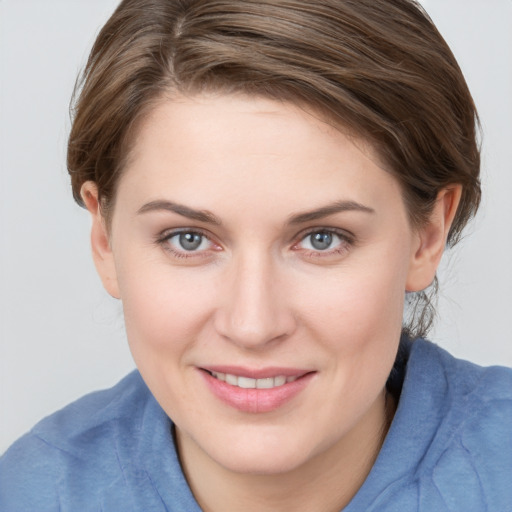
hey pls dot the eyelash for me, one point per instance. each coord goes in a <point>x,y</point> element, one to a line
<point>164,239</point>
<point>346,240</point>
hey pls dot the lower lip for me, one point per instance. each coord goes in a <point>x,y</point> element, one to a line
<point>256,400</point>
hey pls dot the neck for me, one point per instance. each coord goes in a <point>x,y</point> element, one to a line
<point>325,482</point>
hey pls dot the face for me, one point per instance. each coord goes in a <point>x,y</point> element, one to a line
<point>262,258</point>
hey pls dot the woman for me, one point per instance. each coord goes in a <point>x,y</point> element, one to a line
<point>267,182</point>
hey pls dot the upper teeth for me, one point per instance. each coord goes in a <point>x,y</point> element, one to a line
<point>248,383</point>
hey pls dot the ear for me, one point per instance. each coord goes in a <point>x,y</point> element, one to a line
<point>431,239</point>
<point>100,240</point>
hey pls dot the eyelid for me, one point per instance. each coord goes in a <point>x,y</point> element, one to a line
<point>347,241</point>
<point>346,237</point>
<point>170,232</point>
<point>163,238</point>
<point>342,233</point>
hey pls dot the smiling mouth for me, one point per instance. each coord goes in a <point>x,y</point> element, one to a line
<point>256,390</point>
<point>249,383</point>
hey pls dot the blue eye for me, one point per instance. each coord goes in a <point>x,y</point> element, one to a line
<point>321,241</point>
<point>188,241</point>
<point>325,242</point>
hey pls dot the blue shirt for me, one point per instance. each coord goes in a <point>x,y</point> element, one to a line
<point>449,448</point>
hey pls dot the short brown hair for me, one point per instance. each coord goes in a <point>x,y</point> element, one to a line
<point>377,68</point>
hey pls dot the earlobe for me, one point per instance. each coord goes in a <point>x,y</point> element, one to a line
<point>431,239</point>
<point>100,240</point>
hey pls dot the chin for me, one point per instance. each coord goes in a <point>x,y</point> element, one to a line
<point>266,453</point>
<point>263,463</point>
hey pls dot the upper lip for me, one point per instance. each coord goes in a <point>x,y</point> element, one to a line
<point>256,373</point>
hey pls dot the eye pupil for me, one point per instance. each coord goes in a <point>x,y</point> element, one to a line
<point>321,240</point>
<point>190,241</point>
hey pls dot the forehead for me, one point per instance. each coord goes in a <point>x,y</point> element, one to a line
<point>213,147</point>
<point>197,120</point>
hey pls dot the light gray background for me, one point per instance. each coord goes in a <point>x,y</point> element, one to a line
<point>62,336</point>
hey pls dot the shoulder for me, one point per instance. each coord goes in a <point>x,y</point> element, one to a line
<point>469,460</point>
<point>95,415</point>
<point>449,447</point>
<point>72,441</point>
<point>486,379</point>
<point>467,390</point>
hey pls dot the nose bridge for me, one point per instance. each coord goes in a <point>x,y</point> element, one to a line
<point>255,311</point>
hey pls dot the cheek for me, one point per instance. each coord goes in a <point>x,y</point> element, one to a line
<point>163,310</point>
<point>359,304</point>
<point>166,315</point>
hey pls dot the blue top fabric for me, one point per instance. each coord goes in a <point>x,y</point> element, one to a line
<point>449,448</point>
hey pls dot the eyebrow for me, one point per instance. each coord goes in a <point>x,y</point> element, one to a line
<point>330,209</point>
<point>210,218</point>
<point>180,209</point>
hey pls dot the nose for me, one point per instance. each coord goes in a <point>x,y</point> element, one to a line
<point>254,309</point>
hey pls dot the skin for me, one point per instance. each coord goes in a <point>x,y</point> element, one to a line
<point>257,293</point>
